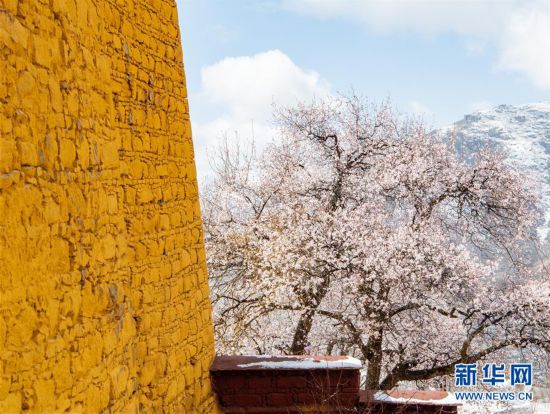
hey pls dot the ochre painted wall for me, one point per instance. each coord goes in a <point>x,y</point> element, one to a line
<point>104,302</point>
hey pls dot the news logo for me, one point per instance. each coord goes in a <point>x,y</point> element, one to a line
<point>466,375</point>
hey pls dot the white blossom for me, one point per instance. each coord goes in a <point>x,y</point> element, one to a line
<point>361,233</point>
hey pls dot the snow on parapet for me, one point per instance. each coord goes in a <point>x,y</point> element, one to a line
<point>416,397</point>
<point>305,363</point>
<point>298,362</point>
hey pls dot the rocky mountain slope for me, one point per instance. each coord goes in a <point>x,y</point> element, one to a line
<point>523,132</point>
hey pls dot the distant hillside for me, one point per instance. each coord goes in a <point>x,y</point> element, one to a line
<point>523,132</point>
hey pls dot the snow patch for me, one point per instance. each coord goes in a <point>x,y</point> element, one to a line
<point>448,400</point>
<point>305,363</point>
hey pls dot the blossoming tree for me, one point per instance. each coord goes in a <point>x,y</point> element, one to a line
<point>360,232</point>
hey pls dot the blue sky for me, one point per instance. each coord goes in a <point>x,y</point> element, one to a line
<point>439,59</point>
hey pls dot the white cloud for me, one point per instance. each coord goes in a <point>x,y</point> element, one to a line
<point>421,110</point>
<point>243,90</point>
<point>518,29</point>
<point>248,85</point>
<point>471,17</point>
<point>475,47</point>
<point>526,43</point>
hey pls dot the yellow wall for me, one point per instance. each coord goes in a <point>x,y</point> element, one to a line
<point>103,289</point>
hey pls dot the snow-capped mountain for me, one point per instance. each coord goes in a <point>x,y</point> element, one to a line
<point>523,132</point>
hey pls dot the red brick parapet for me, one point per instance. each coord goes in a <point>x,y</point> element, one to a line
<point>289,384</point>
<point>312,384</point>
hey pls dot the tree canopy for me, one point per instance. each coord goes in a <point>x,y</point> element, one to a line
<point>361,232</point>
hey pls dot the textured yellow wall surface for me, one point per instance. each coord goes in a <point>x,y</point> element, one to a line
<point>104,302</point>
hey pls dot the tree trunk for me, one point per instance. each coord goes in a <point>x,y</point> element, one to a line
<point>374,367</point>
<point>299,342</point>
